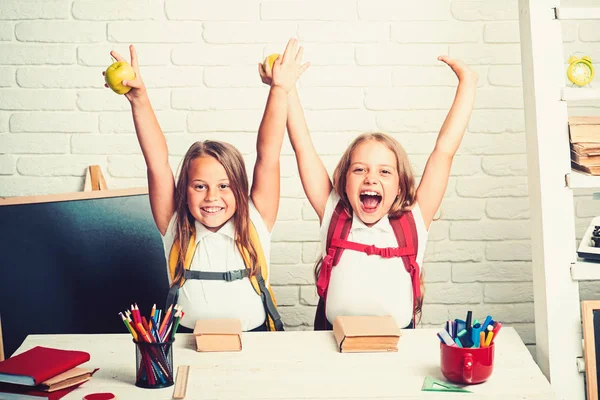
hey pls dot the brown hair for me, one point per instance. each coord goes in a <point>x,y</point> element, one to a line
<point>233,162</point>
<point>404,200</point>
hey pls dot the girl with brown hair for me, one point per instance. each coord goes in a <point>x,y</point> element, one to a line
<point>216,229</point>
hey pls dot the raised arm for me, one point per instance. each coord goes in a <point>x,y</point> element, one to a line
<point>313,174</point>
<point>161,183</point>
<point>265,185</point>
<point>437,170</point>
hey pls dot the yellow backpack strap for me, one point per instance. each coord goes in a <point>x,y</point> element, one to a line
<point>173,294</point>
<point>259,281</point>
<point>174,256</point>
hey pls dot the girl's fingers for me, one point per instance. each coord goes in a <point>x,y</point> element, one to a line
<point>267,66</point>
<point>304,67</point>
<point>103,73</point>
<point>289,48</point>
<point>136,84</point>
<point>299,55</point>
<point>448,60</point>
<point>134,60</point>
<point>116,56</point>
<point>105,85</point>
<point>261,70</point>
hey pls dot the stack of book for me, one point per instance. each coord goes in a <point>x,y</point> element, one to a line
<point>43,373</point>
<point>355,334</point>
<point>218,335</point>
<point>584,134</point>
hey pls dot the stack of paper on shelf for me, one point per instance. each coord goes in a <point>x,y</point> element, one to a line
<point>366,333</point>
<point>584,135</point>
<point>43,373</point>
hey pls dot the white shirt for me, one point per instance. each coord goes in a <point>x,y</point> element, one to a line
<point>217,251</point>
<point>370,285</point>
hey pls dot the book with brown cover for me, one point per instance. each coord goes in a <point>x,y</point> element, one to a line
<point>584,159</point>
<point>588,149</point>
<point>68,378</point>
<point>584,129</point>
<point>218,335</point>
<point>19,392</point>
<point>591,170</point>
<point>366,333</point>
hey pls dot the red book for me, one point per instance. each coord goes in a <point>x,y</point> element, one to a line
<point>39,364</point>
<point>17,392</point>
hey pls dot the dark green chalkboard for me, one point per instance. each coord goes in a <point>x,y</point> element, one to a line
<point>70,263</point>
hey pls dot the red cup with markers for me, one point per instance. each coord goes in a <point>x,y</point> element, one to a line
<point>466,365</point>
<point>467,349</point>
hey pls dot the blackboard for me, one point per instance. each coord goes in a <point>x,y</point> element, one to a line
<point>70,263</point>
<point>590,312</point>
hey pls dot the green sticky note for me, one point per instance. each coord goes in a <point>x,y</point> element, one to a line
<point>435,385</point>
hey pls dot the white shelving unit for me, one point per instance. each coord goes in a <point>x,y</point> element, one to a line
<point>556,269</point>
<point>585,271</point>
<point>574,94</point>
<point>577,180</point>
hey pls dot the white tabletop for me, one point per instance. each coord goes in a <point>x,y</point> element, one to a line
<point>301,365</point>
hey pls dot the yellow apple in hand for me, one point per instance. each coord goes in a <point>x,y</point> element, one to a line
<point>270,60</point>
<point>117,73</point>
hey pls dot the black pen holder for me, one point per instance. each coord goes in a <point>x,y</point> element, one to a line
<point>154,364</point>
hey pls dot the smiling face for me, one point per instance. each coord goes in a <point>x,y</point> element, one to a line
<point>372,182</point>
<point>209,196</point>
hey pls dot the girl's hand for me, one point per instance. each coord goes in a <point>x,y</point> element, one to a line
<point>138,89</point>
<point>266,75</point>
<point>286,69</point>
<point>462,70</point>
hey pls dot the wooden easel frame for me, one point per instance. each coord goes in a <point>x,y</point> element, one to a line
<point>589,340</point>
<point>94,180</point>
<point>96,194</point>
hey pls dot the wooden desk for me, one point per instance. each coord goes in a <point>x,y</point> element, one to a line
<point>302,365</point>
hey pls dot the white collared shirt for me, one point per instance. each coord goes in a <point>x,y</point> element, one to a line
<point>370,285</point>
<point>217,252</point>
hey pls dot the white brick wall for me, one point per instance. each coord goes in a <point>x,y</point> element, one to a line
<point>374,68</point>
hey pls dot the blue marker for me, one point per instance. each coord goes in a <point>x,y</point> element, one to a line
<point>458,343</point>
<point>475,334</point>
<point>460,325</point>
<point>487,321</point>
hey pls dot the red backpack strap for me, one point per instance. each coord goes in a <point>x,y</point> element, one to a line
<point>406,234</point>
<point>339,227</point>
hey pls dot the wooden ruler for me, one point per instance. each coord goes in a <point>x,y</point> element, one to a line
<point>181,381</point>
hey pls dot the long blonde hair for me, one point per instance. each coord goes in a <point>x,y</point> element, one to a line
<point>233,162</point>
<point>405,199</point>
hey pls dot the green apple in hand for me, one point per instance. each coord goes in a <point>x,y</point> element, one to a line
<point>117,73</point>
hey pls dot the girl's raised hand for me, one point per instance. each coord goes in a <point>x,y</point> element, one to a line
<point>462,70</point>
<point>286,69</point>
<point>266,75</point>
<point>138,89</point>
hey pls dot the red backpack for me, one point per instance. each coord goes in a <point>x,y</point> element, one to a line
<point>405,231</point>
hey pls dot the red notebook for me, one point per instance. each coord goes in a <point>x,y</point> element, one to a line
<point>17,392</point>
<point>39,364</point>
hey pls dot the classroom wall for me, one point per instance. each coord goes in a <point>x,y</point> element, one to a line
<point>374,67</point>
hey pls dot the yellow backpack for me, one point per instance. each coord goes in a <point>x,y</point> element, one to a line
<point>258,281</point>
